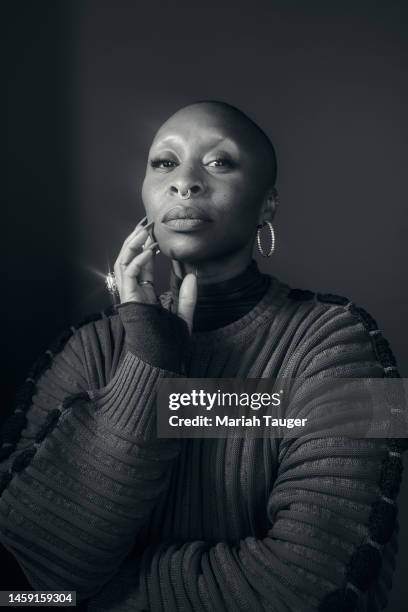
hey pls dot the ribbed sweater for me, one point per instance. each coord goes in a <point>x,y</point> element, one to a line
<point>221,303</point>
<point>95,502</point>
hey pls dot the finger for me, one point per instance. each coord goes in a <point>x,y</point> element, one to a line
<point>142,221</point>
<point>137,230</point>
<point>147,271</point>
<point>177,268</point>
<point>152,237</point>
<point>187,299</point>
<point>135,267</point>
<point>140,224</point>
<point>149,240</point>
<point>129,254</point>
<point>130,249</point>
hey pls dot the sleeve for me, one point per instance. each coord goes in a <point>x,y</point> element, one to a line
<point>85,473</point>
<point>332,539</point>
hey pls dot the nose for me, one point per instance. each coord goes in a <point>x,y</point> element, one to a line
<point>185,183</point>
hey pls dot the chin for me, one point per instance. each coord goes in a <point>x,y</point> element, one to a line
<point>187,254</point>
<point>187,249</point>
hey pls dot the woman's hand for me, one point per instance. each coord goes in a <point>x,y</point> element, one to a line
<point>132,269</point>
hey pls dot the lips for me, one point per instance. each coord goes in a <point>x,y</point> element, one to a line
<point>185,212</point>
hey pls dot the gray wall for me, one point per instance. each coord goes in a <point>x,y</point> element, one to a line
<point>327,81</point>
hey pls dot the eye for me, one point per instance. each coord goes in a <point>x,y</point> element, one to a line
<point>162,163</point>
<point>221,162</point>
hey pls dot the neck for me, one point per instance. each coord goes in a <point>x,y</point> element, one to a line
<point>215,271</point>
<point>224,301</point>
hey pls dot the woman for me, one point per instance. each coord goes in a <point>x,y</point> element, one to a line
<point>96,502</point>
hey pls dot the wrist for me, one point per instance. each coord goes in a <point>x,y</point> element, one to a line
<point>154,334</point>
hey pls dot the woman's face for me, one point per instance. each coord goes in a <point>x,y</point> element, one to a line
<point>218,158</point>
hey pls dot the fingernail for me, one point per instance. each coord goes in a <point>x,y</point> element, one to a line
<point>152,245</point>
<point>149,225</point>
<point>141,221</point>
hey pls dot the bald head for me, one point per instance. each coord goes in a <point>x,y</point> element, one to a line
<point>234,121</point>
<point>223,162</point>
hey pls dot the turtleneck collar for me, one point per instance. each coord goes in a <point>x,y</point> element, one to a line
<point>221,303</point>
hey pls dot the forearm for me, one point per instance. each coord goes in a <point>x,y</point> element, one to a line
<point>319,523</point>
<point>72,513</point>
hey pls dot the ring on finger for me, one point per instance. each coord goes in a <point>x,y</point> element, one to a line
<point>111,283</point>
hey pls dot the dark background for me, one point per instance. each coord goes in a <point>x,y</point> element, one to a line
<point>89,83</point>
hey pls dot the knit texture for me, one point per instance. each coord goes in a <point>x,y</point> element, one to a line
<point>223,302</point>
<point>94,502</point>
<point>167,341</point>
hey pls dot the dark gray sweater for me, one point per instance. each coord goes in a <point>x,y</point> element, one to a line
<point>94,501</point>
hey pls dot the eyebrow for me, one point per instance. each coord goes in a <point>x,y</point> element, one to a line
<point>219,140</point>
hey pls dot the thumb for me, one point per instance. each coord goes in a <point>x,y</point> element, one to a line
<point>187,299</point>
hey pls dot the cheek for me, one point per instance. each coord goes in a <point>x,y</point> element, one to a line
<point>238,201</point>
<point>150,198</point>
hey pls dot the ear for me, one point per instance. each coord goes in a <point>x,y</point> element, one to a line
<point>269,206</point>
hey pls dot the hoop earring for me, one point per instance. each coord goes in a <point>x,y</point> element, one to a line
<point>273,241</point>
